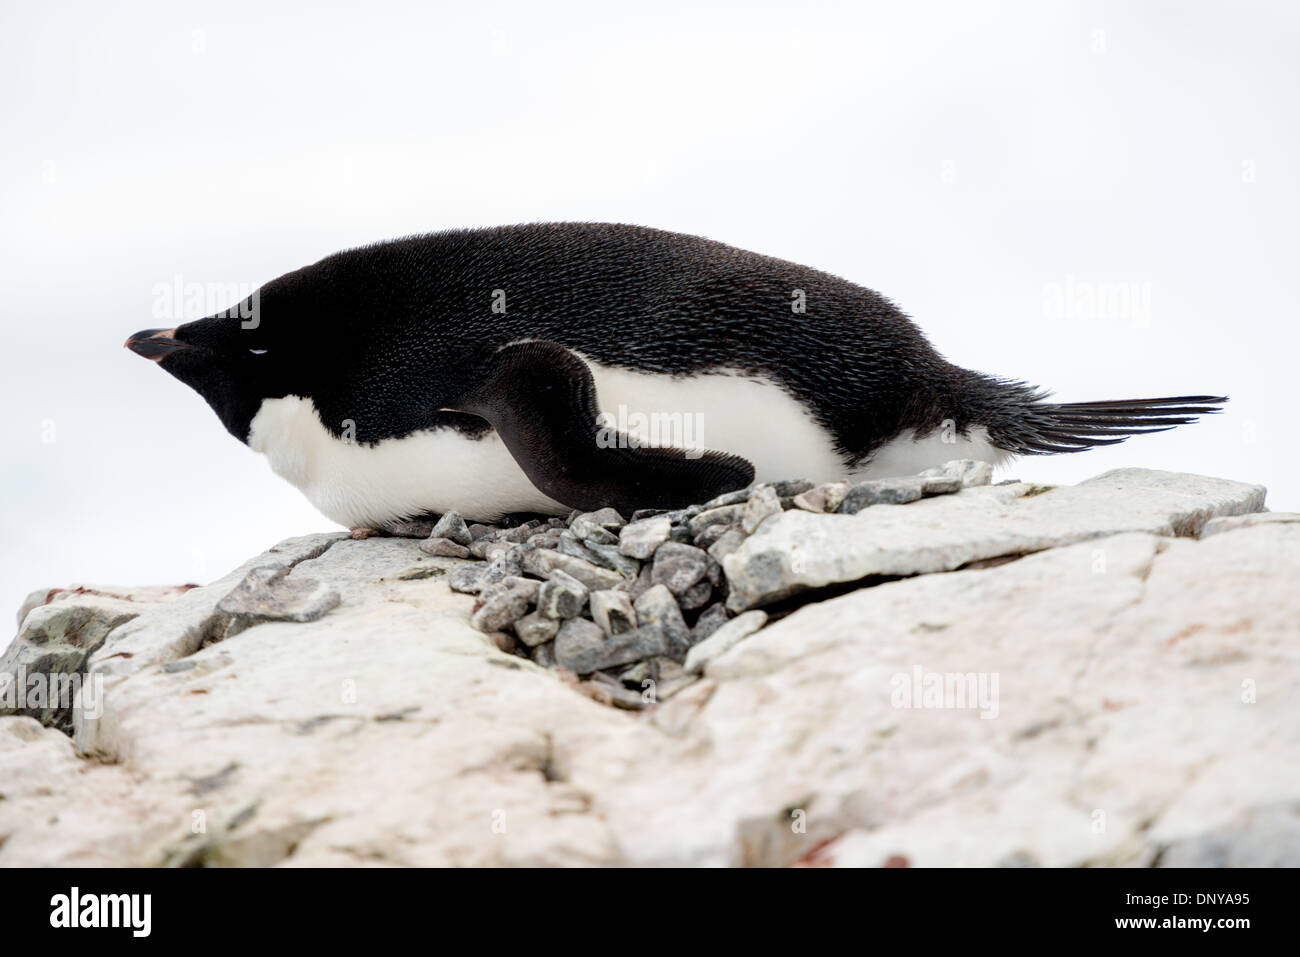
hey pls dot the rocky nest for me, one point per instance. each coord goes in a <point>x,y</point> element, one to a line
<point>639,606</point>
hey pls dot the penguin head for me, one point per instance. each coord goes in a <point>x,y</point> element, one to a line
<point>234,359</point>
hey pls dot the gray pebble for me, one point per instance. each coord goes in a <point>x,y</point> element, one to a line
<point>725,515</point>
<point>612,610</point>
<point>590,532</point>
<point>791,487</point>
<point>822,498</point>
<point>727,498</point>
<point>710,620</point>
<point>642,583</point>
<point>640,539</point>
<point>697,596</point>
<point>535,629</point>
<point>444,547</point>
<point>561,596</point>
<point>582,647</point>
<point>452,527</point>
<point>542,561</point>
<point>710,535</point>
<point>466,578</point>
<point>503,603</point>
<point>478,531</point>
<point>544,655</point>
<point>880,492</point>
<point>679,566</point>
<point>507,564</point>
<point>606,518</point>
<point>730,540</point>
<point>724,639</point>
<point>571,546</point>
<point>762,504</point>
<point>657,609</point>
<point>546,539</point>
<point>608,556</point>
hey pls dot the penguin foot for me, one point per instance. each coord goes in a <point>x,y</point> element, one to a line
<point>362,532</point>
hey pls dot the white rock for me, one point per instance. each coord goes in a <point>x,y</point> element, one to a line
<point>798,549</point>
<point>723,639</point>
<point>1145,709</point>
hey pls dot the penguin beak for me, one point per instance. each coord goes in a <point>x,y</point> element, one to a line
<point>155,343</point>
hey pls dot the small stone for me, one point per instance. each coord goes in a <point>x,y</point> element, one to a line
<point>737,497</point>
<point>517,534</point>
<point>681,533</point>
<point>542,561</point>
<point>881,492</point>
<point>444,547</point>
<point>506,565</point>
<point>679,566</point>
<point>725,514</point>
<point>822,498</point>
<point>544,655</point>
<point>578,644</point>
<point>724,639</point>
<point>729,541</point>
<point>710,620</point>
<point>582,647</point>
<point>762,504</point>
<point>710,535</point>
<point>561,596</point>
<point>478,531</point>
<point>639,672</point>
<point>452,527</point>
<point>972,473</point>
<point>610,691</point>
<point>642,513</point>
<point>590,532</point>
<point>790,487</point>
<point>547,539</point>
<point>535,629</point>
<point>606,518</point>
<point>697,596</point>
<point>639,539</point>
<point>570,545</point>
<point>657,609</point>
<point>643,582</point>
<point>467,578</point>
<point>504,603</point>
<point>608,556</point>
<point>679,515</point>
<point>613,611</point>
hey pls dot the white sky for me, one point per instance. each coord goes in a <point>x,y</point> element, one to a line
<point>970,161</point>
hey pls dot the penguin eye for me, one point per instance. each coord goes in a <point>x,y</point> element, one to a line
<point>258,352</point>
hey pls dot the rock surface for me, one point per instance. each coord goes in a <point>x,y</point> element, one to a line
<point>1094,675</point>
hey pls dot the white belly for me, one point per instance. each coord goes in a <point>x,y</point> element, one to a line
<point>440,470</point>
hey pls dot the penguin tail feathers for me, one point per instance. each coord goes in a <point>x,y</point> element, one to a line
<point>1044,428</point>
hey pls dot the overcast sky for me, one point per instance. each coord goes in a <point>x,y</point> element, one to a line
<point>1100,198</point>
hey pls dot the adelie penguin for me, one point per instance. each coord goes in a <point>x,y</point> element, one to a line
<point>542,368</point>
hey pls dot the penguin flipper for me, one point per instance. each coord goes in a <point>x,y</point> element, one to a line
<point>541,399</point>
